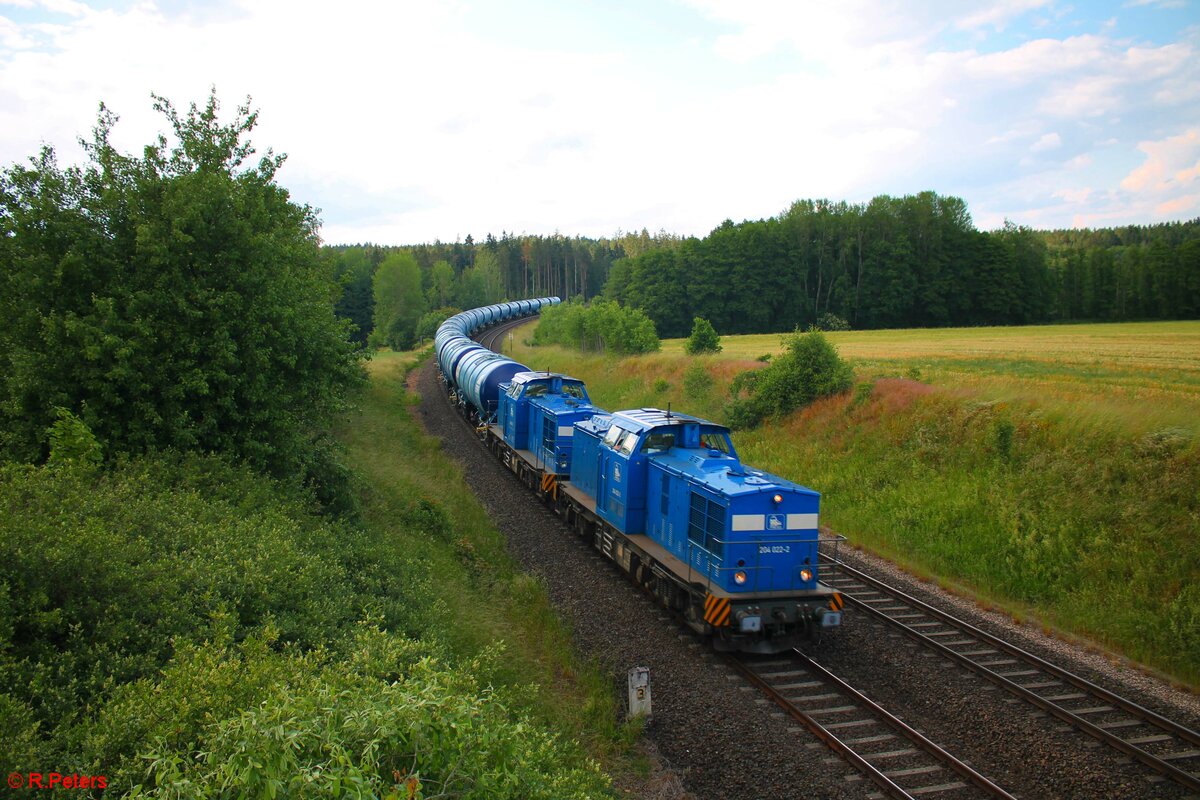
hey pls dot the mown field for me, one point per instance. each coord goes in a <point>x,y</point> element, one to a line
<point>1053,471</point>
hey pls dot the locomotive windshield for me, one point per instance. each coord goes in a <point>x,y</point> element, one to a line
<point>573,390</point>
<point>613,434</point>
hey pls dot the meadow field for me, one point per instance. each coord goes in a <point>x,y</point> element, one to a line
<point>1053,471</point>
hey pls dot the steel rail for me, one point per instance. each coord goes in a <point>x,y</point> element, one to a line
<point>1131,708</point>
<point>872,772</point>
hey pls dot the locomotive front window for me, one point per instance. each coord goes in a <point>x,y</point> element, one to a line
<point>573,390</point>
<point>613,434</point>
<point>627,443</point>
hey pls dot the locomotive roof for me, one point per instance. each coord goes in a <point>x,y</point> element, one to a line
<point>640,420</point>
<point>723,474</point>
<point>526,377</point>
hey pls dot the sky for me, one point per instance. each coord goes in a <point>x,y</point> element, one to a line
<point>407,122</point>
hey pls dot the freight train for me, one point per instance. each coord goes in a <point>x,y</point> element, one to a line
<point>732,549</point>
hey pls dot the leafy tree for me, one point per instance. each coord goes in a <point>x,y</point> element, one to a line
<point>441,284</point>
<point>354,270</point>
<point>399,302</point>
<point>809,369</point>
<point>176,300</point>
<point>704,338</point>
<point>428,324</point>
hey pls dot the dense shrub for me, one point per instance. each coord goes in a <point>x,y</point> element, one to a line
<point>184,608</point>
<point>704,338</point>
<point>809,368</point>
<point>428,324</point>
<point>176,300</point>
<point>603,326</point>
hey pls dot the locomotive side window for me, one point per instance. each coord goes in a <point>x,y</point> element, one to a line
<point>658,442</point>
<point>706,524</point>
<point>536,390</point>
<point>712,440</point>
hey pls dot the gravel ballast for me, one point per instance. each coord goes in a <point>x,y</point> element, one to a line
<point>724,740</point>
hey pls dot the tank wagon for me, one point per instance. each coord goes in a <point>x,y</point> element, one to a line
<point>663,495</point>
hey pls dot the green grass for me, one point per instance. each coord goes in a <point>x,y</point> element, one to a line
<point>1051,471</point>
<point>486,601</point>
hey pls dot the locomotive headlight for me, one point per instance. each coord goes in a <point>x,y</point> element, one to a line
<point>739,577</point>
<point>806,574</point>
<point>778,499</point>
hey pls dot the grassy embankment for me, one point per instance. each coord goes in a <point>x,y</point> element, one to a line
<point>189,628</point>
<point>1053,471</point>
<point>486,601</point>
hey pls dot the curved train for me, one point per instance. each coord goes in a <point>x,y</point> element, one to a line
<point>664,495</point>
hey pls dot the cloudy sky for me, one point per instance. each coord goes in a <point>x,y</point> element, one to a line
<point>409,121</point>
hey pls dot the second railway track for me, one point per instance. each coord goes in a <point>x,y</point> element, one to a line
<point>1161,744</point>
<point>896,757</point>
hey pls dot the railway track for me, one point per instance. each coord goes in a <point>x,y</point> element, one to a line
<point>897,758</point>
<point>1170,749</point>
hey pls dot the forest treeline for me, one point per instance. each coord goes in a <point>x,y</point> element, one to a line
<point>468,274</point>
<point>914,261</point>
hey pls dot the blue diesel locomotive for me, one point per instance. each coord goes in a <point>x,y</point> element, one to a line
<point>664,495</point>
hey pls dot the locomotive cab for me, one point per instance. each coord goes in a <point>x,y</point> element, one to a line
<point>537,413</point>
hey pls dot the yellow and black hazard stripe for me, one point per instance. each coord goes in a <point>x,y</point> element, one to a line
<point>550,484</point>
<point>836,602</point>
<point>716,610</point>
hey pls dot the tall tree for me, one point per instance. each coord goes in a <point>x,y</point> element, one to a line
<point>173,300</point>
<point>399,302</point>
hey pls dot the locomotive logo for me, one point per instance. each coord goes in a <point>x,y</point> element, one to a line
<point>616,473</point>
<point>774,522</point>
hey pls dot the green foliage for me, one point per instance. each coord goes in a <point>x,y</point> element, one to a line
<point>428,324</point>
<point>704,338</point>
<point>353,269</point>
<point>810,369</point>
<point>696,382</point>
<point>602,326</point>
<point>177,300</point>
<point>661,385</point>
<point>72,444</point>
<point>399,302</point>
<point>914,261</point>
<point>832,322</point>
<point>177,606</point>
<point>392,720</point>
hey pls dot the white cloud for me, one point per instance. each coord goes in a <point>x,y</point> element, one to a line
<point>1049,141</point>
<point>1170,164</point>
<point>405,123</point>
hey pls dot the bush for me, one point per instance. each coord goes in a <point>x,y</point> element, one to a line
<point>832,322</point>
<point>603,326</point>
<point>696,382</point>
<point>704,338</point>
<point>173,300</point>
<point>810,368</point>
<point>428,324</point>
<point>103,575</point>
